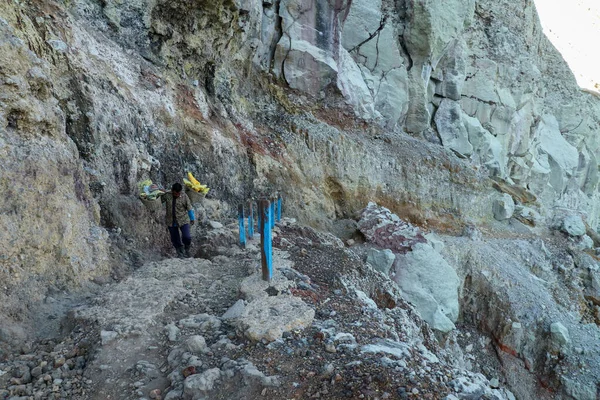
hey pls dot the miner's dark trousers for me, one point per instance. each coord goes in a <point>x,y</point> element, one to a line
<point>176,238</point>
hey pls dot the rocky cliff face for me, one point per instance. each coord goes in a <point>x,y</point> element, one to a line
<point>432,108</point>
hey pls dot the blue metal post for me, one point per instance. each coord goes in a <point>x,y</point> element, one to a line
<point>265,240</point>
<point>278,207</point>
<point>250,220</point>
<point>272,213</point>
<point>241,223</point>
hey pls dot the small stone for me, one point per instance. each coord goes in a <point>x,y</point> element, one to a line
<point>215,225</point>
<point>172,332</point>
<point>469,348</point>
<point>350,242</point>
<point>402,392</point>
<point>495,383</point>
<point>415,391</point>
<point>235,311</point>
<point>108,336</point>
<point>559,334</point>
<point>155,394</point>
<point>196,344</point>
<point>330,347</point>
<point>327,370</point>
<point>59,362</point>
<point>36,372</point>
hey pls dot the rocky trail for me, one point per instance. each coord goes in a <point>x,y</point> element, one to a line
<point>329,326</point>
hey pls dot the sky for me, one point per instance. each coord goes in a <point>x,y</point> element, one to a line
<point>573,26</point>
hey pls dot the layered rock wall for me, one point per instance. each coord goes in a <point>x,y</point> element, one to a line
<point>309,97</point>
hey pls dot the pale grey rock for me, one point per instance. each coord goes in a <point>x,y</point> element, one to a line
<point>579,390</point>
<point>174,395</point>
<point>435,241</point>
<point>552,142</point>
<point>452,70</point>
<point>448,120</point>
<point>235,311</point>
<point>503,207</point>
<point>251,374</point>
<point>202,322</point>
<point>364,34</point>
<point>431,26</point>
<point>559,334</point>
<point>108,336</point>
<point>528,214</point>
<point>481,87</point>
<point>475,386</point>
<point>353,87</point>
<point>307,52</point>
<point>381,260</point>
<point>254,287</point>
<point>197,385</point>
<point>196,344</point>
<point>500,123</point>
<point>451,397</point>
<point>418,114</point>
<point>172,332</point>
<point>487,148</point>
<point>215,225</point>
<point>269,317</point>
<point>573,225</point>
<point>584,243</point>
<point>397,349</point>
<point>305,66</point>
<point>431,284</point>
<point>58,45</point>
<point>592,291</point>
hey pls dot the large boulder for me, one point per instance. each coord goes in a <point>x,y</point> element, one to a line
<point>431,284</point>
<point>268,318</point>
<point>307,52</point>
<point>504,207</point>
<point>448,120</point>
<point>381,260</point>
<point>365,32</point>
<point>387,230</point>
<point>487,148</point>
<point>556,146</point>
<point>573,225</point>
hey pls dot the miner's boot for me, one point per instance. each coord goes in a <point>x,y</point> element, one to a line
<point>186,250</point>
<point>180,253</point>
